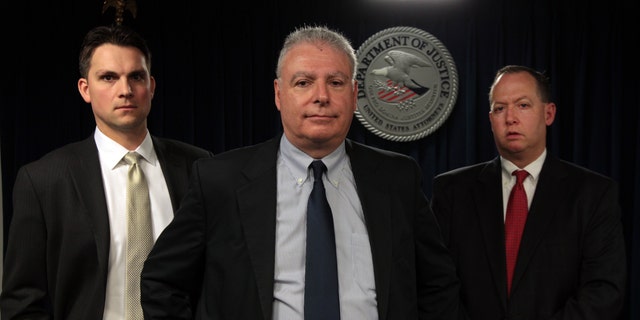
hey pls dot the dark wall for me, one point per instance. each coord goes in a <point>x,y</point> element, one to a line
<point>214,64</point>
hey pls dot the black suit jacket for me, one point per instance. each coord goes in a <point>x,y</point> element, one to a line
<point>571,263</point>
<point>227,223</point>
<point>58,247</point>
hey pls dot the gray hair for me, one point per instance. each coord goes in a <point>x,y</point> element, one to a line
<point>318,34</point>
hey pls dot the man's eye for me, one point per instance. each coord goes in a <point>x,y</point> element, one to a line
<point>497,109</point>
<point>302,83</point>
<point>138,76</point>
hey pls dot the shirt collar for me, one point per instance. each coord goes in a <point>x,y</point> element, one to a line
<point>299,162</point>
<point>112,152</point>
<point>533,168</point>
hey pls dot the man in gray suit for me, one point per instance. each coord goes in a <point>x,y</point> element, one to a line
<point>242,226</point>
<point>68,235</point>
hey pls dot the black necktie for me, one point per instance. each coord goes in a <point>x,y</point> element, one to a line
<point>321,297</point>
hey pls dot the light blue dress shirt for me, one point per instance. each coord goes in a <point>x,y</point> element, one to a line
<point>355,264</point>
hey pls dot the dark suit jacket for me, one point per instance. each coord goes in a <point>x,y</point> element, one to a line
<point>58,246</point>
<point>571,263</point>
<point>227,222</point>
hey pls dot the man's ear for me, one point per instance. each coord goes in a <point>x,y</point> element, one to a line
<point>549,113</point>
<point>83,88</point>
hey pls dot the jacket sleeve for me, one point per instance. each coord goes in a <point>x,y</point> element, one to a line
<point>172,274</point>
<point>24,289</point>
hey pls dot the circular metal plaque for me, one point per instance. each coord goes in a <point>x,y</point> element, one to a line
<point>407,84</point>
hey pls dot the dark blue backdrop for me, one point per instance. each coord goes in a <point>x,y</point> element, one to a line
<point>214,63</point>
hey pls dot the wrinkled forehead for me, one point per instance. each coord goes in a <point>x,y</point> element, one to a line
<point>316,58</point>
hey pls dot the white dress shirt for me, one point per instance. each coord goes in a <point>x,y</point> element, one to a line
<point>114,174</point>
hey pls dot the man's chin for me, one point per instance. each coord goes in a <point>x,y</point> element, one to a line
<point>513,149</point>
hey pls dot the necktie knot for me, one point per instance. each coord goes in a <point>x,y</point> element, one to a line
<point>520,175</point>
<point>318,169</point>
<point>132,157</point>
<point>136,178</point>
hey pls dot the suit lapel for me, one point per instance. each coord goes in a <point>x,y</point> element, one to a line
<point>173,169</point>
<point>488,196</point>
<point>86,175</point>
<point>257,208</point>
<point>552,188</point>
<point>374,198</point>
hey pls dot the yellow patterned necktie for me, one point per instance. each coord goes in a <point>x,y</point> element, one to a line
<point>139,234</point>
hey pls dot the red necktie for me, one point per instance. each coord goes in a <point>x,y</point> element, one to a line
<point>514,223</point>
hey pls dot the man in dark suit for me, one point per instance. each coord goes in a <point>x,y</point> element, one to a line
<point>242,226</point>
<point>571,261</point>
<point>68,235</point>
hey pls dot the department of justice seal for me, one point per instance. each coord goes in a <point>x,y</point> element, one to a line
<point>407,84</point>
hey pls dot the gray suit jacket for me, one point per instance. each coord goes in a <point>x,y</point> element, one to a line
<point>58,246</point>
<point>227,225</point>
